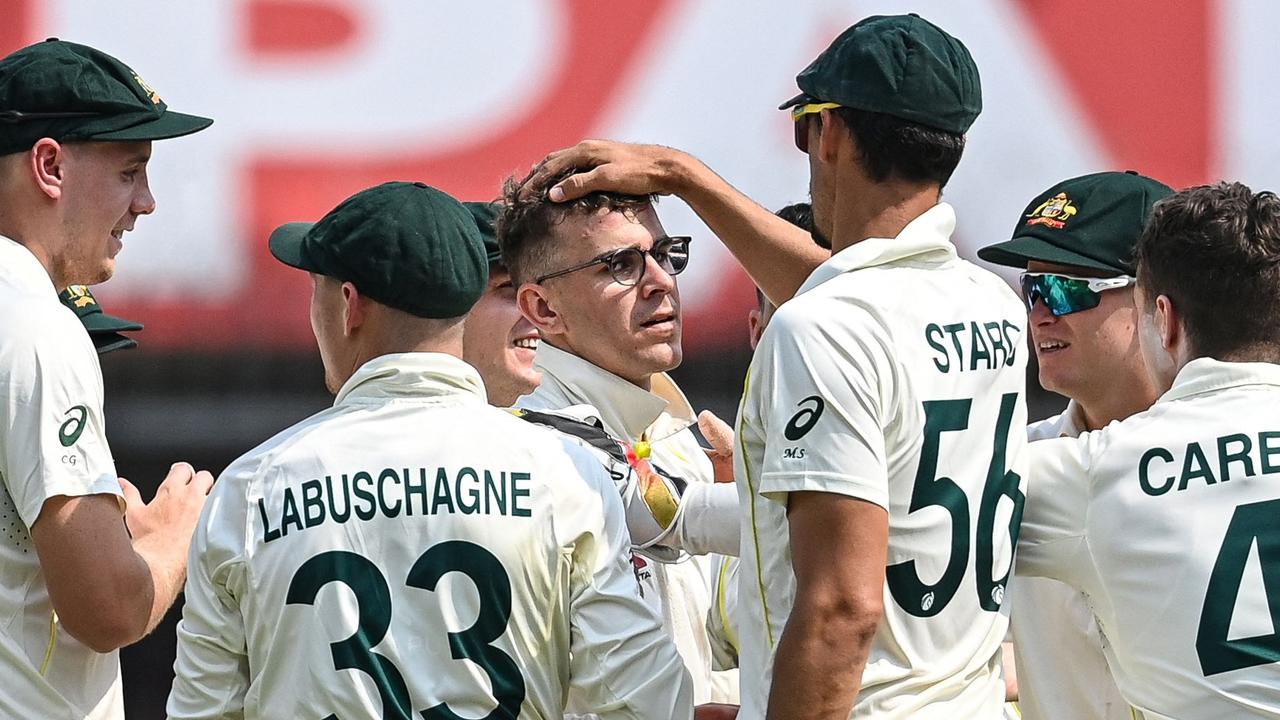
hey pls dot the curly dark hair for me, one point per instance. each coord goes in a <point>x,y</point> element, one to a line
<point>1214,250</point>
<point>524,226</point>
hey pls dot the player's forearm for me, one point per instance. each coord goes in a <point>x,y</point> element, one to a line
<point>166,561</point>
<point>821,655</point>
<point>776,254</point>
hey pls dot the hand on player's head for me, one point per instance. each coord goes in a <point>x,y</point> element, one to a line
<point>605,165</point>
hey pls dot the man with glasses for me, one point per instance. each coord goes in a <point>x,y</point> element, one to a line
<point>878,462</point>
<point>596,277</point>
<point>1166,520</point>
<point>1076,243</point>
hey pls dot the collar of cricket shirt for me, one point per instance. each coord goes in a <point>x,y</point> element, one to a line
<point>927,239</point>
<point>1204,375</point>
<point>412,375</point>
<point>18,263</point>
<point>624,408</point>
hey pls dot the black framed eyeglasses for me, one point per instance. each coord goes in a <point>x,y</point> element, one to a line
<point>17,116</point>
<point>627,264</point>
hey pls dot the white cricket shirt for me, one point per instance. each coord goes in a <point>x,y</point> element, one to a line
<point>414,549</point>
<point>680,592</point>
<point>52,444</point>
<point>1062,671</point>
<point>1169,521</point>
<point>895,376</point>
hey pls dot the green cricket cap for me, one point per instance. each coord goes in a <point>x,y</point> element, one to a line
<point>898,65</point>
<point>406,245</point>
<point>1092,221</point>
<point>105,330</point>
<point>486,214</point>
<point>72,92</point>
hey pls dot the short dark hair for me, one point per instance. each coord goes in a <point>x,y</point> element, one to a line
<point>892,148</point>
<point>1214,250</point>
<point>524,225</point>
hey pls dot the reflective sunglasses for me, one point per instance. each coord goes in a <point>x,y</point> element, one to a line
<point>1065,294</point>
<point>801,114</point>
<point>627,265</point>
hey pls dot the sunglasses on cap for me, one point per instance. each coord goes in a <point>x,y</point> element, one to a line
<point>627,265</point>
<point>801,115</point>
<point>1065,294</point>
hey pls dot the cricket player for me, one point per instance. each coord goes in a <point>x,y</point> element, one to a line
<point>413,550</point>
<point>597,278</point>
<point>87,567</point>
<point>1076,242</point>
<point>1166,520</point>
<point>497,340</point>
<point>722,620</point>
<point>106,331</point>
<point>880,450</point>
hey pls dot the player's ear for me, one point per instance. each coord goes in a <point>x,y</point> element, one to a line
<point>755,328</point>
<point>1169,323</point>
<point>538,306</point>
<point>47,161</point>
<point>831,132</point>
<point>354,309</point>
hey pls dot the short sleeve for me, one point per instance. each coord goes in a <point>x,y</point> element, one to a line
<point>52,435</point>
<point>825,379</point>
<point>1051,542</point>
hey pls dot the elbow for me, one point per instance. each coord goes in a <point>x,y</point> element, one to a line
<point>106,632</point>
<point>853,616</point>
<point>107,621</point>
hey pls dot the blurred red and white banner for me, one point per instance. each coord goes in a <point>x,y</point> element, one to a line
<point>316,99</point>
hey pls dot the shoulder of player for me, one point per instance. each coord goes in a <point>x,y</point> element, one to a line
<point>37,323</point>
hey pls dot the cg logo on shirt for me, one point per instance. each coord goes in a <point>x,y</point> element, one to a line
<point>802,422</point>
<point>70,431</point>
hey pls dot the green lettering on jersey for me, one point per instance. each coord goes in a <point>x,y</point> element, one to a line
<point>1194,465</point>
<point>978,349</point>
<point>441,497</point>
<point>290,514</point>
<point>364,495</point>
<point>267,533</point>
<point>519,489</point>
<point>312,503</point>
<point>468,497</point>
<point>387,508</point>
<point>495,492</point>
<point>943,361</point>
<point>1226,457</point>
<point>1144,466</point>
<point>343,516</point>
<point>1269,447</point>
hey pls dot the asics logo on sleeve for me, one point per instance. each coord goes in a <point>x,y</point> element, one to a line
<point>802,422</point>
<point>71,429</point>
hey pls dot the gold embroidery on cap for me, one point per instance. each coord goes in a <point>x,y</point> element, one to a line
<point>150,91</point>
<point>1053,212</point>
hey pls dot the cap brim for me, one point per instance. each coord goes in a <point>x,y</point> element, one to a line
<point>286,244</point>
<point>103,323</point>
<point>110,342</point>
<point>169,125</point>
<point>1020,250</point>
<point>801,99</point>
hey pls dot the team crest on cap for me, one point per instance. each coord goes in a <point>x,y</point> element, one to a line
<point>150,91</point>
<point>1054,212</point>
<point>80,296</point>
